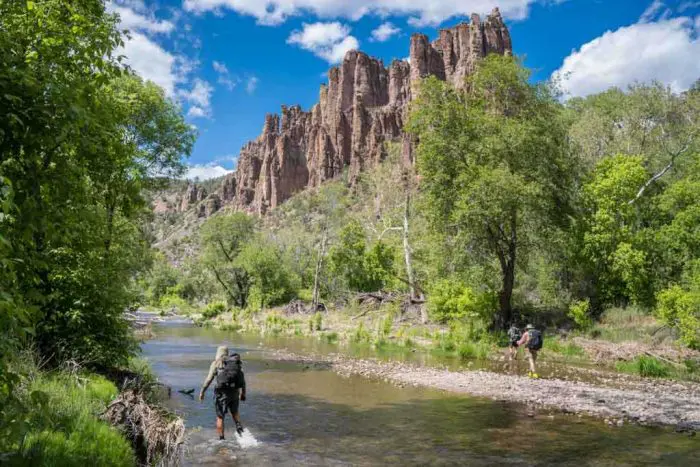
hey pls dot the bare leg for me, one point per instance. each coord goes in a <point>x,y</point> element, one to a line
<point>220,427</point>
<point>532,357</point>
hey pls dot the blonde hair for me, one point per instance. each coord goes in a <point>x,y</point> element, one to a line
<point>221,352</point>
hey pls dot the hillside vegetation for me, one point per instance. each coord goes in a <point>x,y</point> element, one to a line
<point>519,208</point>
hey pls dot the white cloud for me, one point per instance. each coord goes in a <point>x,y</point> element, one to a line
<point>424,13</point>
<point>220,67</point>
<point>144,55</point>
<point>665,50</point>
<point>199,97</point>
<point>225,78</point>
<point>688,5</point>
<point>252,84</point>
<point>384,32</point>
<point>655,11</point>
<point>133,21</point>
<point>205,172</point>
<point>197,112</point>
<point>330,41</point>
<point>151,62</point>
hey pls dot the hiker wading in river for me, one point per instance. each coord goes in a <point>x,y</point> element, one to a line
<point>229,380</point>
<point>532,340</point>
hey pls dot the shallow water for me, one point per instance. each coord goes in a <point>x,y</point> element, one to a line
<point>296,415</point>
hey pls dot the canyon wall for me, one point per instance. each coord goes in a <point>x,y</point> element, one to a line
<point>363,106</point>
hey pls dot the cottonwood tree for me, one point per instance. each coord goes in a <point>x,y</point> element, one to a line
<point>494,165</point>
<point>222,238</point>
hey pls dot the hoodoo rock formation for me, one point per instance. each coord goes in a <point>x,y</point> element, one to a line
<point>363,106</point>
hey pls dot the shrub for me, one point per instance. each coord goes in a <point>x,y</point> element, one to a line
<point>645,366</point>
<point>451,300</point>
<point>474,350</point>
<point>318,321</point>
<point>214,309</point>
<point>387,324</point>
<point>678,309</point>
<point>173,300</point>
<point>580,313</point>
<point>361,335</point>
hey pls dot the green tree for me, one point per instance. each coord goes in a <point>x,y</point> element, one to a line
<point>494,165</point>
<point>610,224</point>
<point>363,270</point>
<point>264,263</point>
<point>223,237</point>
<point>79,136</point>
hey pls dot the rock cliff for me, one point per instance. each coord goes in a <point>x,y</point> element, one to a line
<point>363,106</point>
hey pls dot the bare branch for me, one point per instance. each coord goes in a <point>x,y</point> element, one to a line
<point>388,229</point>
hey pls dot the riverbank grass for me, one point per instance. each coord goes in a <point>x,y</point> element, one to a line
<point>62,416</point>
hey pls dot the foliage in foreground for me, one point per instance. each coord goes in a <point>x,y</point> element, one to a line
<point>60,422</point>
<point>80,138</point>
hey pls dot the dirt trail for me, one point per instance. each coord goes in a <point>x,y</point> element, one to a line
<point>646,402</point>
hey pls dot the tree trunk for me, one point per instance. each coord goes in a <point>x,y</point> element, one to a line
<point>506,311</point>
<point>408,259</point>
<point>319,264</point>
<point>407,248</point>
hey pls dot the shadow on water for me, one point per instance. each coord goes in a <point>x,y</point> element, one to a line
<point>305,415</point>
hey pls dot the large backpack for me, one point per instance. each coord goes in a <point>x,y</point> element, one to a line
<point>535,340</point>
<point>514,334</point>
<point>228,375</point>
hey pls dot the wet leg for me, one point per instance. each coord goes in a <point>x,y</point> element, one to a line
<point>237,420</point>
<point>220,427</point>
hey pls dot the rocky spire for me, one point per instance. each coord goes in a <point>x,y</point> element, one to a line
<point>363,106</point>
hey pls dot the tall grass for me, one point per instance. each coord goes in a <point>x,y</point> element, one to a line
<point>625,324</point>
<point>566,349</point>
<point>648,367</point>
<point>64,428</point>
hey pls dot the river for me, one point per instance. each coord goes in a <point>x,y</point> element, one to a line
<point>297,414</point>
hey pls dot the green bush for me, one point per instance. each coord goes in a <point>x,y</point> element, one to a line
<point>214,309</point>
<point>361,335</point>
<point>330,337</point>
<point>646,366</point>
<point>680,309</point>
<point>173,300</point>
<point>318,321</point>
<point>580,313</point>
<point>451,300</point>
<point>386,325</point>
<point>473,350</point>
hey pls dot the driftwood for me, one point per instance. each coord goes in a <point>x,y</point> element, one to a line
<point>157,437</point>
<point>298,307</point>
<point>375,298</point>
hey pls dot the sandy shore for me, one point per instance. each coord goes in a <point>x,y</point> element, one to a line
<point>644,401</point>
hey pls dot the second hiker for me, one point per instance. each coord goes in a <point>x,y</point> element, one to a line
<point>532,340</point>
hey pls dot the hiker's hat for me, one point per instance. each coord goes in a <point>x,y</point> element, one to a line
<point>529,326</point>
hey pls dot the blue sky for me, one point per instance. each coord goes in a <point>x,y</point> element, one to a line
<point>229,62</point>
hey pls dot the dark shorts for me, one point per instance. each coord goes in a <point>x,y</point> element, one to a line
<point>513,344</point>
<point>225,401</point>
